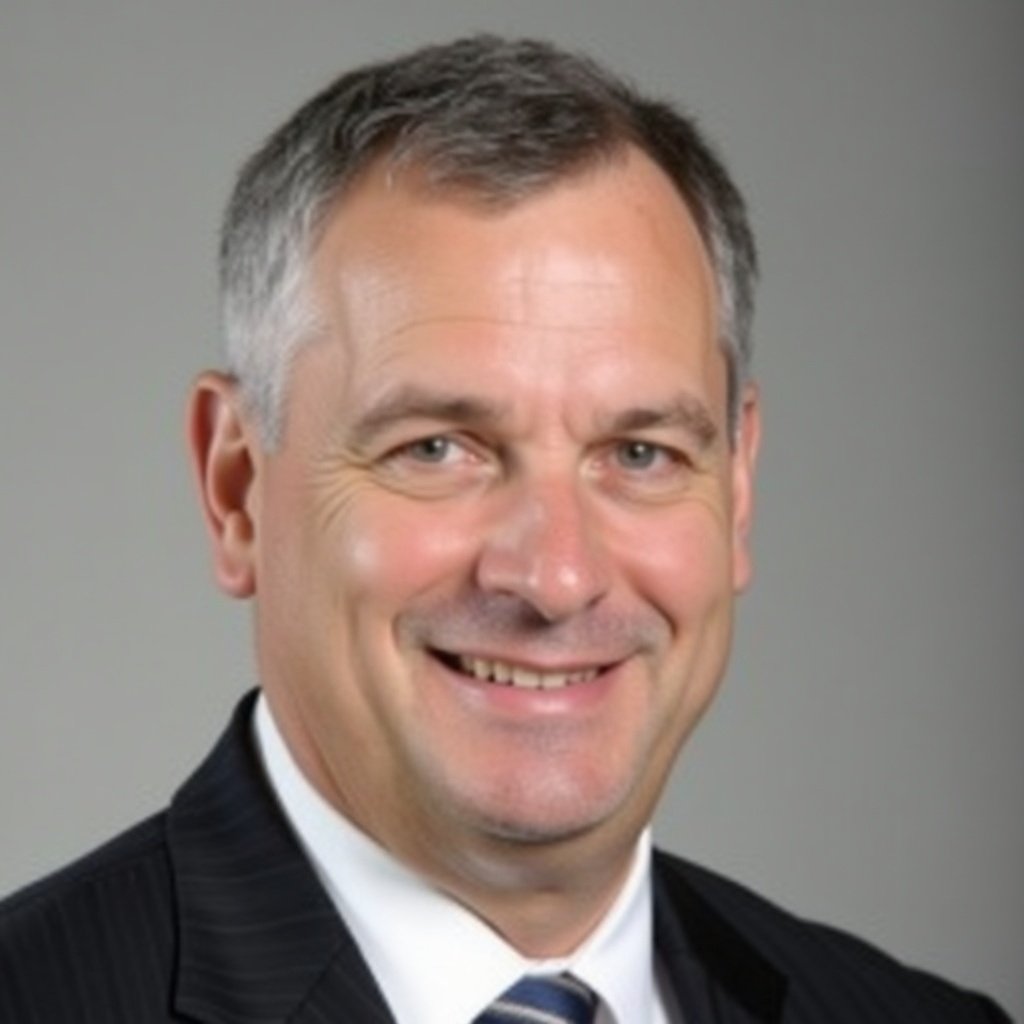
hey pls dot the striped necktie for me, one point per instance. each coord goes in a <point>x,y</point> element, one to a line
<point>551,999</point>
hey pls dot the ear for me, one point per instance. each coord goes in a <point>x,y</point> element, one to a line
<point>225,457</point>
<point>744,463</point>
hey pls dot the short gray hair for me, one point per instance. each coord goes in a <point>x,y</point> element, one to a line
<point>497,120</point>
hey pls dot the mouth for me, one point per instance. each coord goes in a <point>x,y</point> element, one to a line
<point>521,677</point>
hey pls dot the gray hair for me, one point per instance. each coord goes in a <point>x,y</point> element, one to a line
<point>496,120</point>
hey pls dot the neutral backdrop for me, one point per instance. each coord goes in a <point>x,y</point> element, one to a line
<point>864,764</point>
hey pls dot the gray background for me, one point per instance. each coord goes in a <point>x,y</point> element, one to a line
<point>864,763</point>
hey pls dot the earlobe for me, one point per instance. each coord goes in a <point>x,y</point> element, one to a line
<point>224,462</point>
<point>747,445</point>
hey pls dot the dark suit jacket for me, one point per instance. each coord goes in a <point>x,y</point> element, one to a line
<point>210,912</point>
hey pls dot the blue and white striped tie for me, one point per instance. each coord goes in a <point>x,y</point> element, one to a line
<point>551,999</point>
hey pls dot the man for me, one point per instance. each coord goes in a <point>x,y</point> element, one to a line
<point>484,461</point>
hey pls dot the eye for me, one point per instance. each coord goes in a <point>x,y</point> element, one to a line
<point>649,458</point>
<point>434,466</point>
<point>436,456</point>
<point>433,450</point>
<point>638,469</point>
<point>639,455</point>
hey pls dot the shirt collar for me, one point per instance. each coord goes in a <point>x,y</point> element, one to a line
<point>417,940</point>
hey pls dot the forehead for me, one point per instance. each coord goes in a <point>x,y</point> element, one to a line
<point>607,268</point>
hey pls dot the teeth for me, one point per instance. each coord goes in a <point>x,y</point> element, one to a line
<point>524,678</point>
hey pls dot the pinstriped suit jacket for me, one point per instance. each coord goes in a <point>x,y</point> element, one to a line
<point>210,913</point>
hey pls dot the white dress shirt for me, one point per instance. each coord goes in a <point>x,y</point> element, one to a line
<point>435,961</point>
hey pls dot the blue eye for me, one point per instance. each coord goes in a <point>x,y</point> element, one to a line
<point>436,466</point>
<point>430,449</point>
<point>638,454</point>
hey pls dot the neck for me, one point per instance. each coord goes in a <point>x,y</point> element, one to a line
<point>543,899</point>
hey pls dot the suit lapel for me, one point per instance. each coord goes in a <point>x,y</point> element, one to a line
<point>717,976</point>
<point>260,941</point>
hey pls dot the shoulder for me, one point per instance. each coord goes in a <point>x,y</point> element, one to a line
<point>65,938</point>
<point>830,974</point>
<point>110,869</point>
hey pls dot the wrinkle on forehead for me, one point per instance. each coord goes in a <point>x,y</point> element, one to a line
<point>543,296</point>
<point>612,247</point>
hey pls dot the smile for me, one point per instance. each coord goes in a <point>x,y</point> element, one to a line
<point>505,673</point>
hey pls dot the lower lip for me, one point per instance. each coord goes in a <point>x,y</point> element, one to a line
<point>502,698</point>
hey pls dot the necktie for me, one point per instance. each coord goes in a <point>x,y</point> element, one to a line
<point>551,999</point>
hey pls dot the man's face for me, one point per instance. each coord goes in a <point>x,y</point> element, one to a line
<point>496,552</point>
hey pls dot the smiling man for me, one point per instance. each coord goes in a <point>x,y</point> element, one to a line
<point>495,548</point>
<point>484,462</point>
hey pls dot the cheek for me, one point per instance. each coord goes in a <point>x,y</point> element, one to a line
<point>682,563</point>
<point>392,550</point>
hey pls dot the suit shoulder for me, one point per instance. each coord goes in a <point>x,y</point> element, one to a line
<point>65,939</point>
<point>134,849</point>
<point>831,974</point>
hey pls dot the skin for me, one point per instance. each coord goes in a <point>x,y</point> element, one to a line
<point>508,445</point>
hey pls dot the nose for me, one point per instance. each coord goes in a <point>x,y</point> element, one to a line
<point>545,547</point>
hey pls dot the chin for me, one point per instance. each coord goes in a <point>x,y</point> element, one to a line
<point>543,811</point>
<point>535,832</point>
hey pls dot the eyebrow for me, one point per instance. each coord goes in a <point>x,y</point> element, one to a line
<point>413,403</point>
<point>682,411</point>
